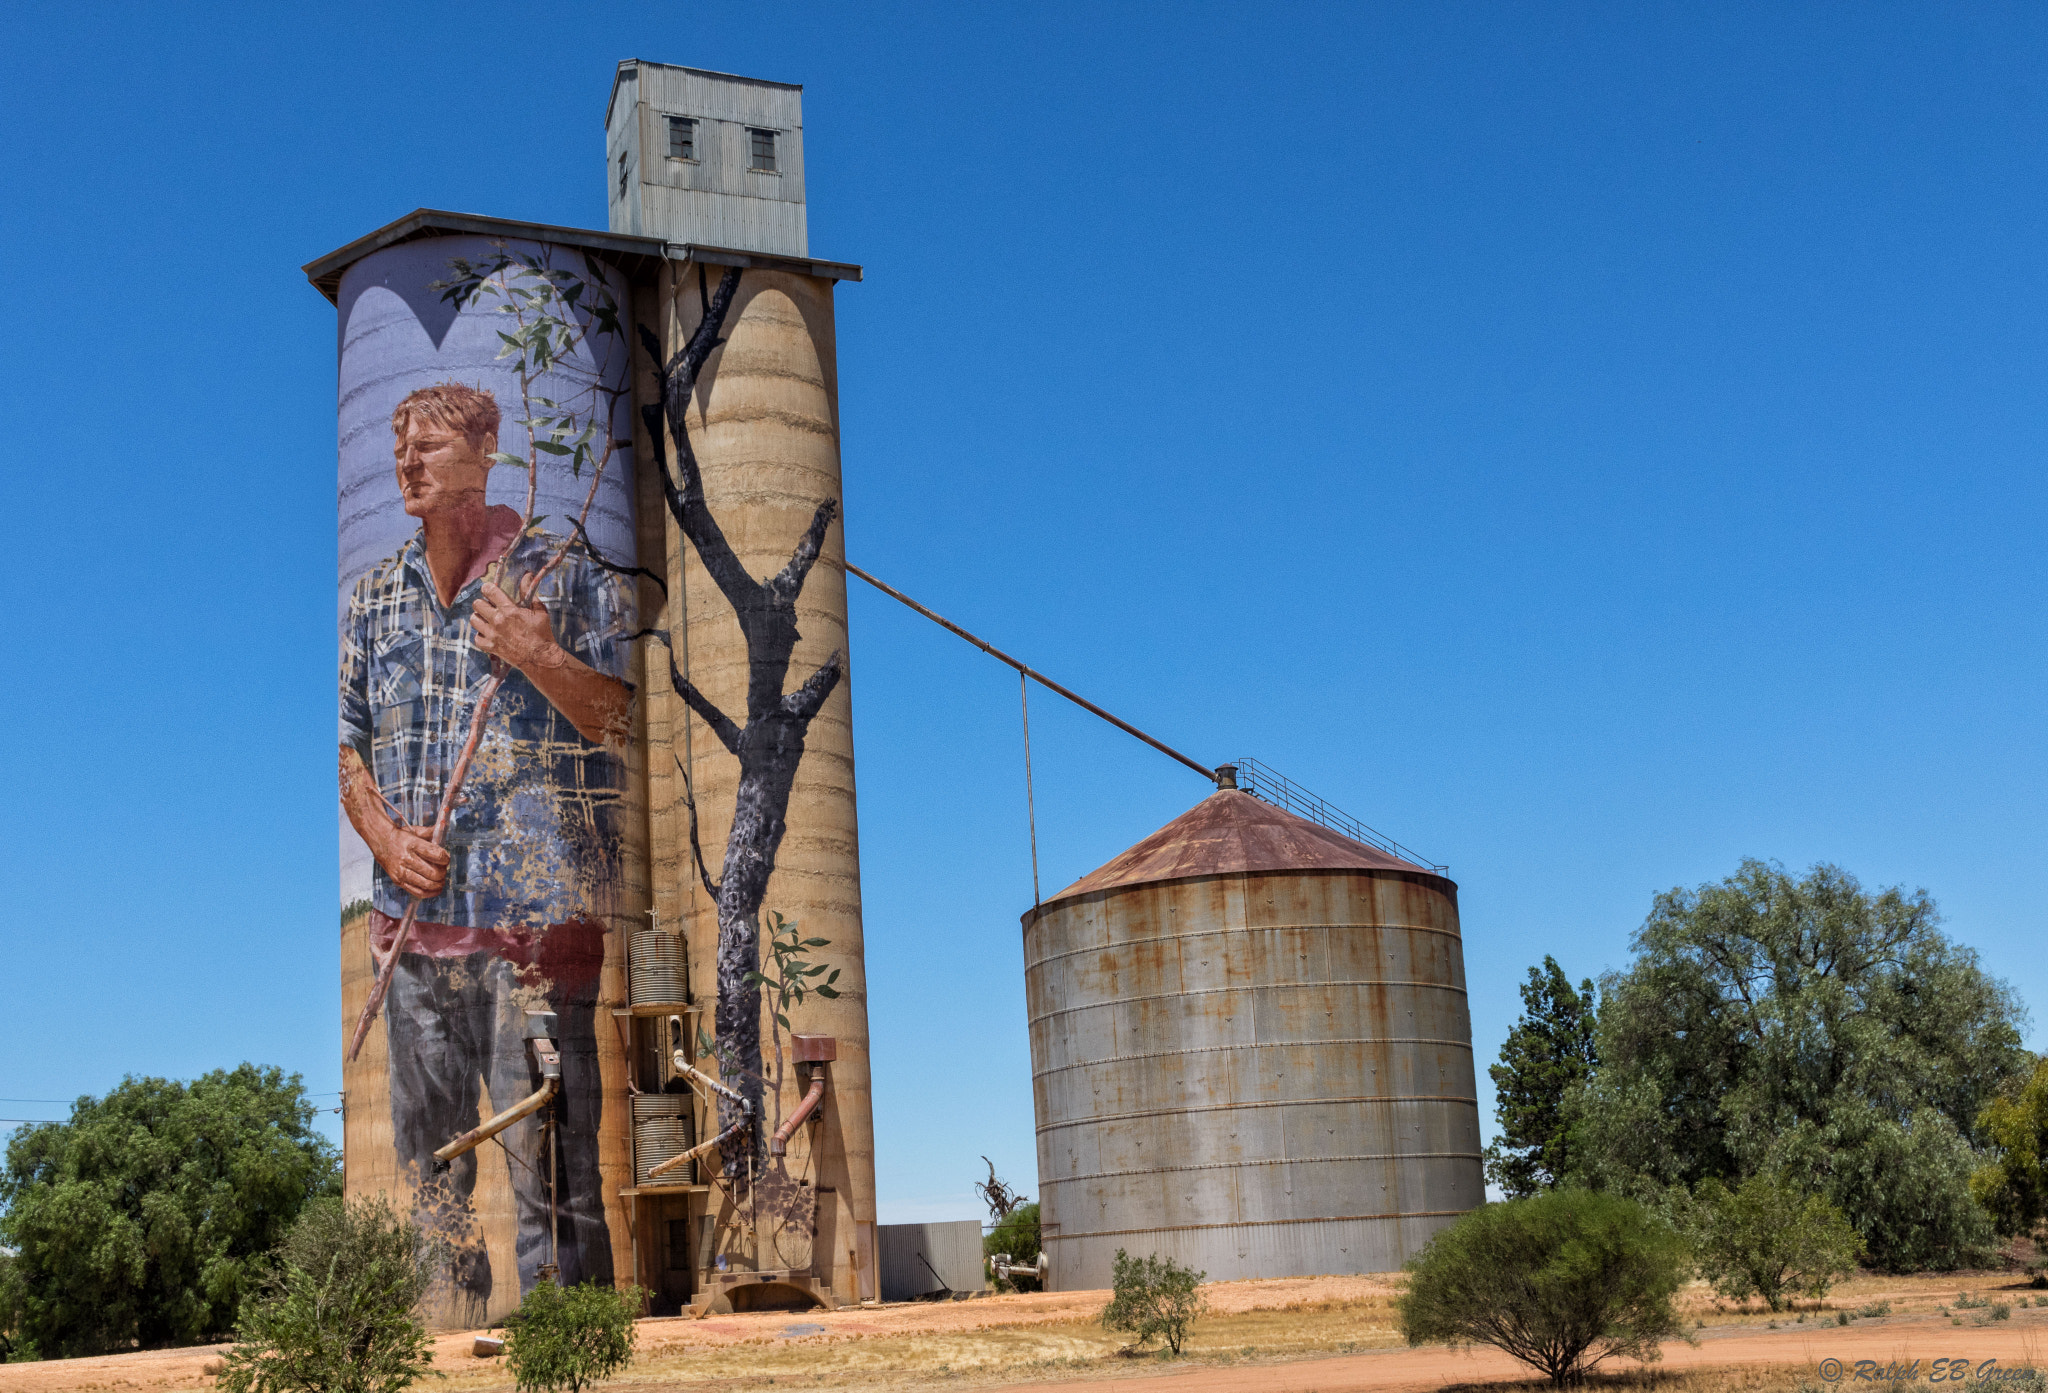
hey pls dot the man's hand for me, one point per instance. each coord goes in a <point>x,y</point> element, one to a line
<point>409,856</point>
<point>521,636</point>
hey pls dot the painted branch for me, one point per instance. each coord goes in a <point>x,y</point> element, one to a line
<point>696,846</point>
<point>590,549</point>
<point>449,796</point>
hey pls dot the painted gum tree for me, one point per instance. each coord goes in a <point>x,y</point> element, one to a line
<point>769,741</point>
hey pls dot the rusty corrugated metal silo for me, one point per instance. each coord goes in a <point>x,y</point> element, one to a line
<point>1251,1052</point>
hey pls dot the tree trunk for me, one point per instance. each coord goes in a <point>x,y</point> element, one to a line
<point>770,745</point>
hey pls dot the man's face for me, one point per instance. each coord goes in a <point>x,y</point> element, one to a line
<point>439,470</point>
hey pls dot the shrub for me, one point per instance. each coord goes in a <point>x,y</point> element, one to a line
<point>571,1337</point>
<point>1153,1296</point>
<point>1016,1233</point>
<point>1764,1239</point>
<point>1561,1281</point>
<point>338,1311</point>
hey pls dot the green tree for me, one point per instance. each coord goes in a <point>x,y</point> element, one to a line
<point>13,1346</point>
<point>571,1337</point>
<point>1810,1028</point>
<point>1153,1296</point>
<point>2013,1186</point>
<point>146,1217</point>
<point>339,1312</point>
<point>1548,1054</point>
<point>1561,1281</point>
<point>1764,1238</point>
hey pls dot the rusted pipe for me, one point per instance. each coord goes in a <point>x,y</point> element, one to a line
<point>779,1144</point>
<point>477,1136</point>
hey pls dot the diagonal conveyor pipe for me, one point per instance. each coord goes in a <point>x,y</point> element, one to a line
<point>547,1058</point>
<point>1215,776</point>
<point>683,1066</point>
<point>477,1136</point>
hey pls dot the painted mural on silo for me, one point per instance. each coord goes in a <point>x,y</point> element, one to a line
<point>486,619</point>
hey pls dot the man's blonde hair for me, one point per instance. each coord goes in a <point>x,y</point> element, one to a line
<point>451,406</point>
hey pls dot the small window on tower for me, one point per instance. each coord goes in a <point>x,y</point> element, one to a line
<point>682,138</point>
<point>623,171</point>
<point>761,150</point>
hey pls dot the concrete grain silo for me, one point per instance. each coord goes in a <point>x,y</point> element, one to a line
<point>1251,1052</point>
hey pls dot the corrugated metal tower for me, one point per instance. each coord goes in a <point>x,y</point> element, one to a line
<point>1251,1052</point>
<point>712,159</point>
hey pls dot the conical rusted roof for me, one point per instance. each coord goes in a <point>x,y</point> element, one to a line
<point>1231,832</point>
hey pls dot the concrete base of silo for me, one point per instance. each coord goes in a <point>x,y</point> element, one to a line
<point>1326,1248</point>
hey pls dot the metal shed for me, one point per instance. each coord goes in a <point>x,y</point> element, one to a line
<point>1251,1052</point>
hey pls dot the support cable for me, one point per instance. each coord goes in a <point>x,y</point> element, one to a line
<point>1030,805</point>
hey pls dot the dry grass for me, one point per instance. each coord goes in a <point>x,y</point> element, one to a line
<point>992,1353</point>
<point>1252,1326</point>
<point>1906,1296</point>
<point>1754,1378</point>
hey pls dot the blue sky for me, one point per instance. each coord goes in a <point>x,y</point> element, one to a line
<point>1591,443</point>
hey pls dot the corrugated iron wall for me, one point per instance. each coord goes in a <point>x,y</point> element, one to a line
<point>1260,1075</point>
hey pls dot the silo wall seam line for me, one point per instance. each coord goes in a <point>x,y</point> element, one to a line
<point>1255,1045</point>
<point>1441,884</point>
<point>1100,1118</point>
<point>1120,943</point>
<point>1066,1237</point>
<point>1269,1161</point>
<point>1248,987</point>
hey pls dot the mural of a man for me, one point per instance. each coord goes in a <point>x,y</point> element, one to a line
<point>514,904</point>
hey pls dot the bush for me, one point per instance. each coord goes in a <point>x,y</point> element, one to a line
<point>1561,1281</point>
<point>1016,1233</point>
<point>339,1311</point>
<point>571,1337</point>
<point>1764,1239</point>
<point>1153,1296</point>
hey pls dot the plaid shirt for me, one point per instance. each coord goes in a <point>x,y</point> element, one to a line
<point>534,838</point>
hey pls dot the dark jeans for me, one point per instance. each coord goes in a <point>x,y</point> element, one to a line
<point>455,1024</point>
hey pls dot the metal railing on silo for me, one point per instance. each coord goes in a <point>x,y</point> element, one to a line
<point>1271,786</point>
